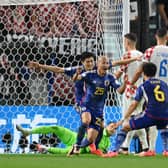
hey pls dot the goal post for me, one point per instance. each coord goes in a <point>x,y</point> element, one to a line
<point>52,32</point>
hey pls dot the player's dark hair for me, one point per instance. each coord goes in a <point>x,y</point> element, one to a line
<point>86,55</point>
<point>161,32</point>
<point>131,36</point>
<point>149,69</point>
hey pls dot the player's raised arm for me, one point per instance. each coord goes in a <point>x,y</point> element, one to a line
<point>126,61</point>
<point>77,75</point>
<point>54,69</point>
<point>121,89</point>
<point>136,75</point>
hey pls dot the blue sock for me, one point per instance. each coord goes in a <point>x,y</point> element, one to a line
<point>99,137</point>
<point>164,136</point>
<point>81,133</point>
<point>85,143</point>
<point>121,135</point>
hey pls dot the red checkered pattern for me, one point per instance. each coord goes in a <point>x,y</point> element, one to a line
<point>148,53</point>
<point>130,90</point>
<point>127,55</point>
<point>87,14</point>
<point>19,23</point>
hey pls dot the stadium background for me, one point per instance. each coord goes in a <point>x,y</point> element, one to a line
<point>28,33</point>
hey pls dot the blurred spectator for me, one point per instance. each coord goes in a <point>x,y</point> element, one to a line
<point>13,89</point>
<point>39,19</point>
<point>6,18</point>
<point>51,20</point>
<point>19,24</point>
<point>63,20</point>
<point>162,6</point>
<point>87,14</point>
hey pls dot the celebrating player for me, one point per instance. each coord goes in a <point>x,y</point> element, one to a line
<point>97,84</point>
<point>87,60</point>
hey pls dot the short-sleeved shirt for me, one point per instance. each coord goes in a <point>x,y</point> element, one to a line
<point>96,89</point>
<point>159,56</point>
<point>155,92</point>
<point>79,85</point>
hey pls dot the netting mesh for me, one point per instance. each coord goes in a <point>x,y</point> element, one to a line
<point>52,34</point>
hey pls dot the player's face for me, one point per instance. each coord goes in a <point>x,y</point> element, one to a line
<point>111,128</point>
<point>103,65</point>
<point>89,63</point>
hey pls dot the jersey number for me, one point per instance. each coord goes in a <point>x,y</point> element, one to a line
<point>159,95</point>
<point>163,68</point>
<point>99,91</point>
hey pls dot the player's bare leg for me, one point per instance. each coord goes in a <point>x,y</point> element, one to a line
<point>86,118</point>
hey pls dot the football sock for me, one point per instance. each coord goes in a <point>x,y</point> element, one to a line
<point>81,133</point>
<point>99,137</point>
<point>85,142</point>
<point>121,135</point>
<point>164,136</point>
<point>152,134</point>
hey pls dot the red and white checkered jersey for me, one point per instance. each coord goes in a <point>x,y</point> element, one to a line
<point>129,69</point>
<point>130,90</point>
<point>159,55</point>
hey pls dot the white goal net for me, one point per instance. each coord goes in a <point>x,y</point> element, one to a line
<point>52,32</point>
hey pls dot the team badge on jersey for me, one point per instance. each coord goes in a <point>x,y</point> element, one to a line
<point>83,108</point>
<point>106,82</point>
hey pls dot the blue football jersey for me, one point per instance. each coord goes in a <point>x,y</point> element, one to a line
<point>79,85</point>
<point>155,92</point>
<point>96,88</point>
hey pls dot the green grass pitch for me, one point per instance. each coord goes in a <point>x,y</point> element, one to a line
<point>82,161</point>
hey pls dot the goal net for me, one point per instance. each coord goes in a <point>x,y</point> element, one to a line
<point>52,32</point>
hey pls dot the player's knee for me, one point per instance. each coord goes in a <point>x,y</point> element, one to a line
<point>86,121</point>
<point>91,139</point>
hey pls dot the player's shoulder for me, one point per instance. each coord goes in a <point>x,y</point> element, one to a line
<point>87,73</point>
<point>110,74</point>
<point>150,49</point>
<point>154,81</point>
<point>164,83</point>
<point>73,68</point>
<point>136,52</point>
<point>148,52</point>
<point>111,77</point>
<point>161,47</point>
<point>132,53</point>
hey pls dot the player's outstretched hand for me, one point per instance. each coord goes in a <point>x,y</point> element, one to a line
<point>139,57</point>
<point>77,74</point>
<point>119,123</point>
<point>33,64</point>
